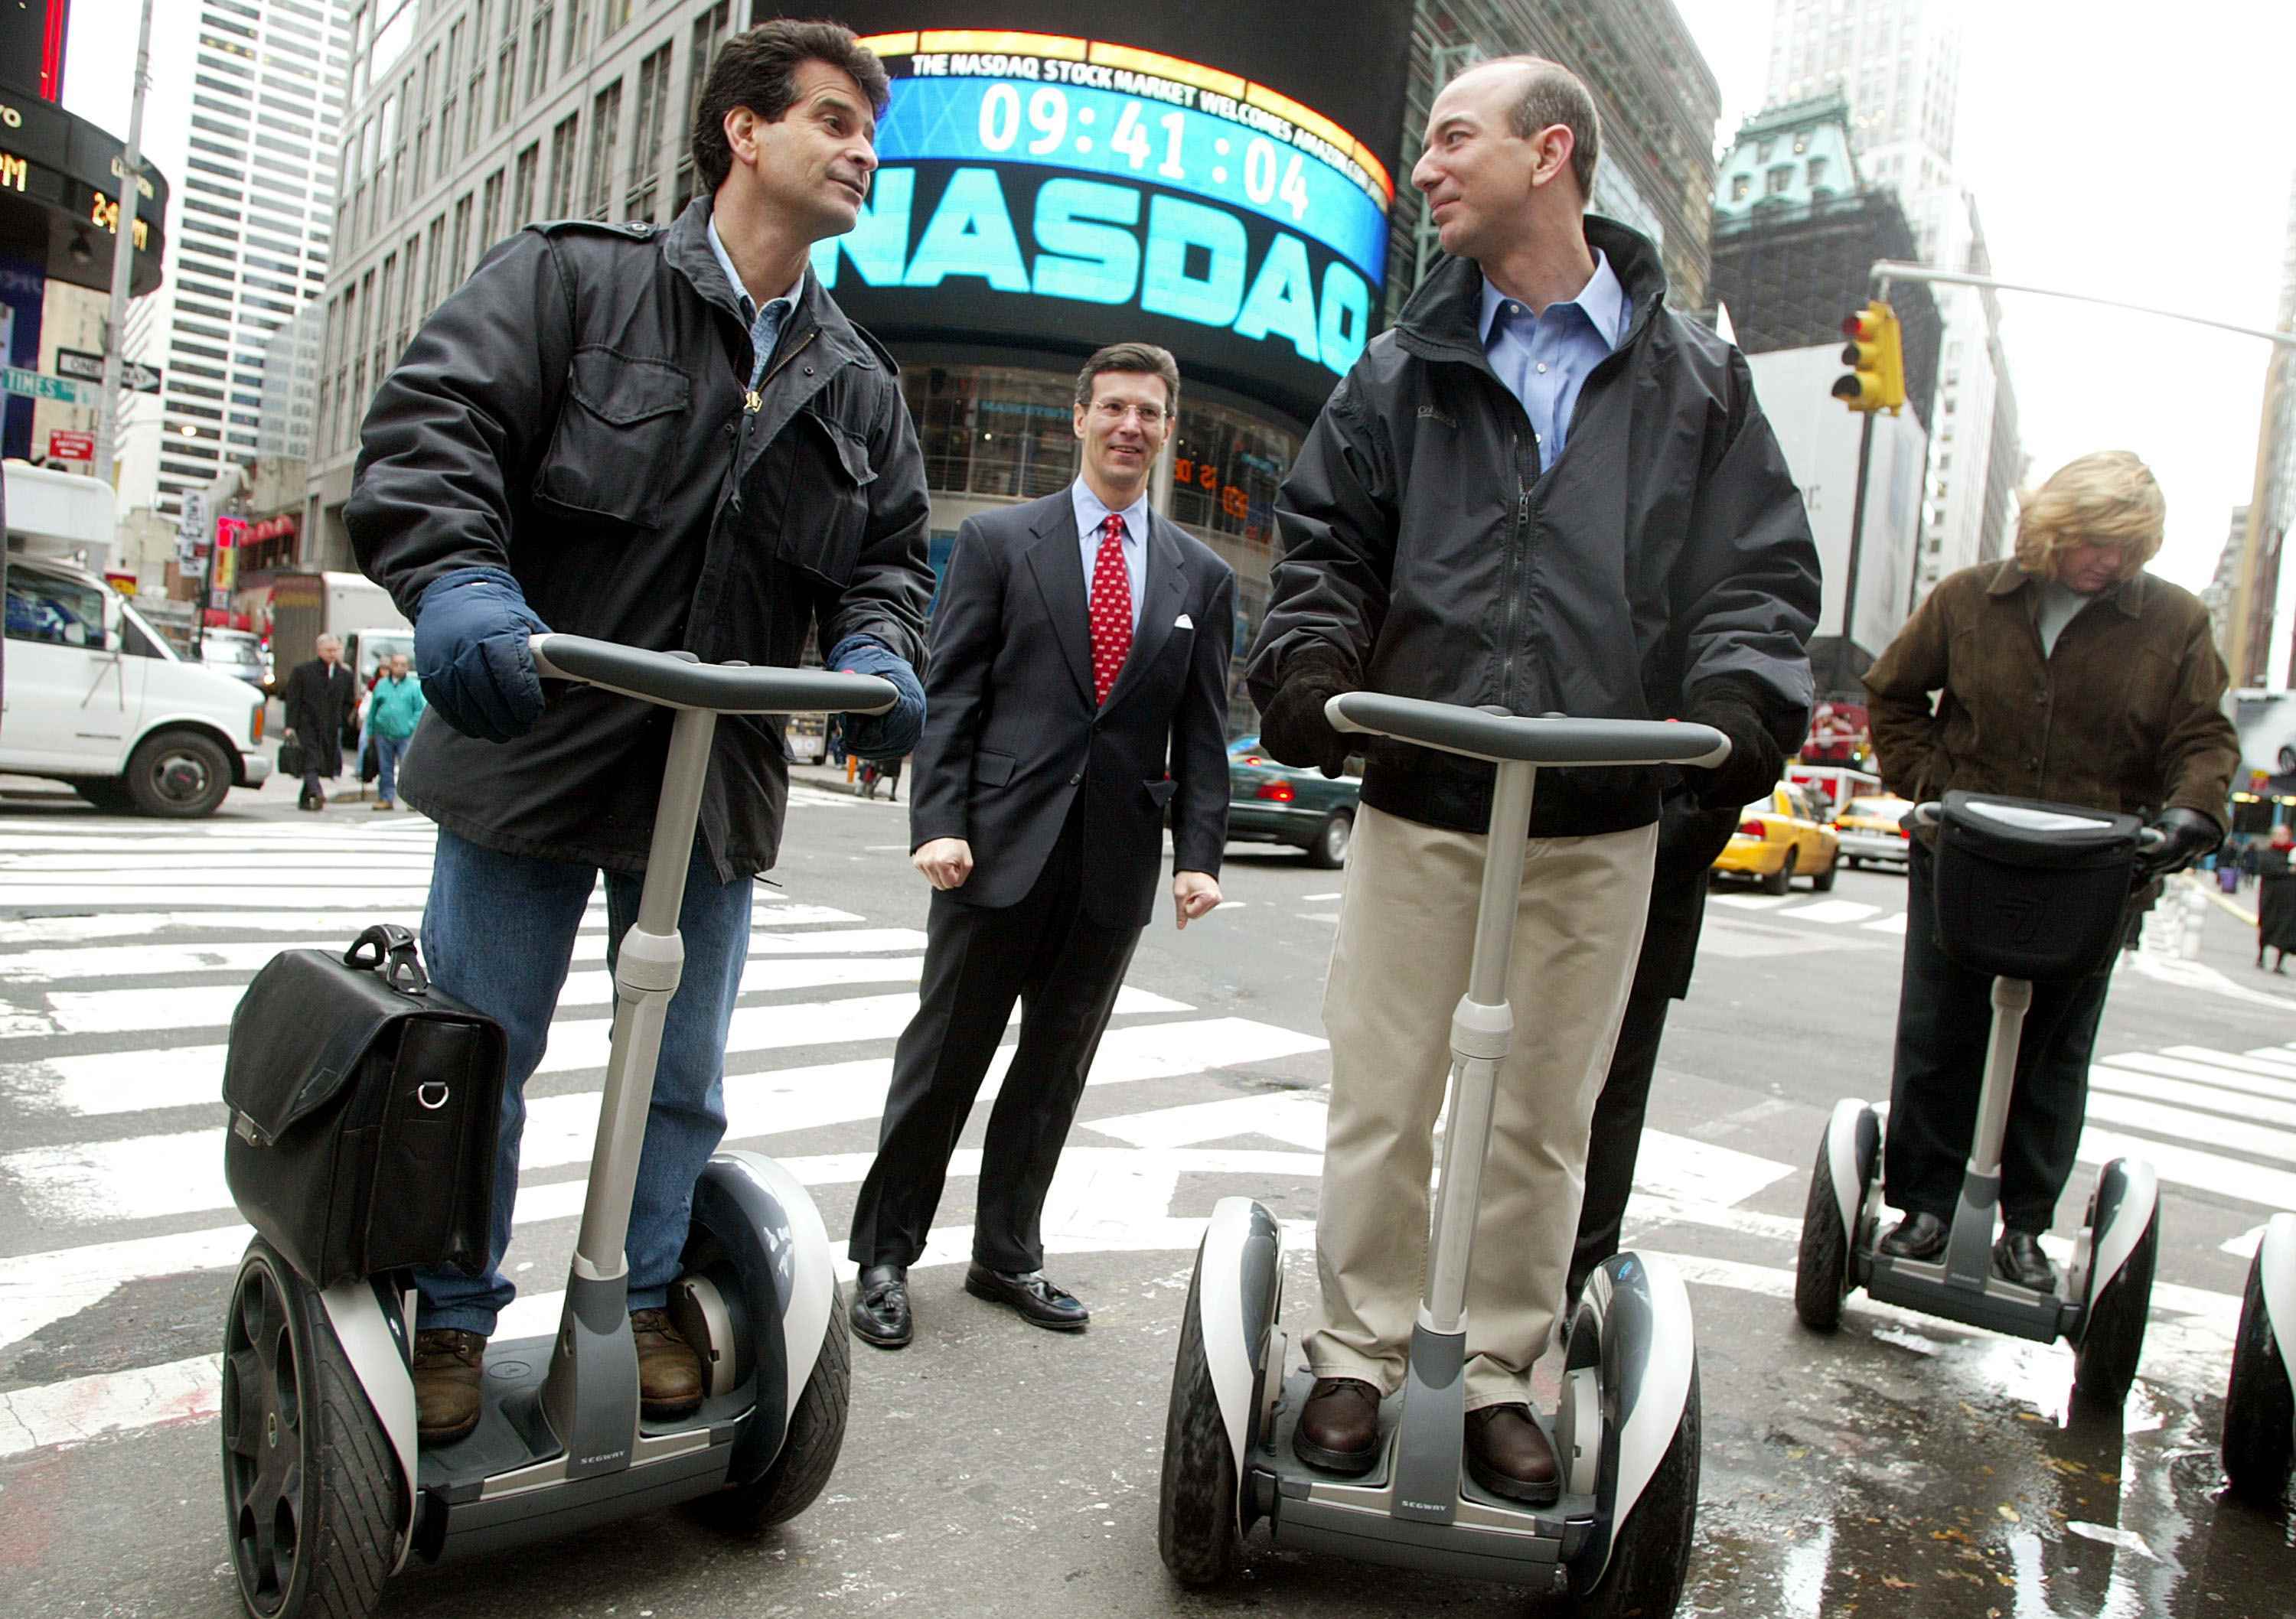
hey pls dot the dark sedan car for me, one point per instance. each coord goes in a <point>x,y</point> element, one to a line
<point>1273,803</point>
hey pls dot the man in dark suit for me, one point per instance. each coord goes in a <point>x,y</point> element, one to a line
<point>1079,687</point>
<point>318,700</point>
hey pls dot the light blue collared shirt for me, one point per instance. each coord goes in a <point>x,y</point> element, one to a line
<point>1091,512</point>
<point>1544,359</point>
<point>765,324</point>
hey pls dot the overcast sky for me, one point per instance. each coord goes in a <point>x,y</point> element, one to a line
<point>2133,151</point>
<point>2130,150</point>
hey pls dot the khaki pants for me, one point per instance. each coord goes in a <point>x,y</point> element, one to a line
<point>1398,967</point>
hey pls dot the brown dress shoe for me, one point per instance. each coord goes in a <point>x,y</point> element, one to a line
<point>1339,1426</point>
<point>448,1367</point>
<point>669,1373</point>
<point>1508,1454</point>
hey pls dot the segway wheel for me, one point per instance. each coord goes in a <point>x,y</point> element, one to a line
<point>2113,1338</point>
<point>2260,1421</point>
<point>1650,1552</point>
<point>1822,1270</point>
<point>808,1454</point>
<point>311,1488</point>
<point>1196,1530</point>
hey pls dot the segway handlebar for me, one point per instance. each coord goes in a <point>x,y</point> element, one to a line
<point>1493,734</point>
<point>1930,811</point>
<point>679,679</point>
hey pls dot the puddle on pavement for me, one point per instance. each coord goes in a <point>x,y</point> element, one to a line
<point>1931,1471</point>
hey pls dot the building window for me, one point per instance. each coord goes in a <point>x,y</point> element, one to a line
<point>562,167</point>
<point>1739,184</point>
<point>605,136</point>
<point>1801,141</point>
<point>433,259</point>
<point>1763,148</point>
<point>615,13</point>
<point>505,83</point>
<point>537,48</point>
<point>653,114</point>
<point>1781,180</point>
<point>578,31</point>
<point>454,98</point>
<point>458,256</point>
<point>709,30</point>
<point>1817,172</point>
<point>522,189</point>
<point>490,212</point>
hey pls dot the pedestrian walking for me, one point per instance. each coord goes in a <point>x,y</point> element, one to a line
<point>1544,489</point>
<point>318,701</point>
<point>2275,899</point>
<point>590,434</point>
<point>392,709</point>
<point>2064,672</point>
<point>1078,686</point>
<point>887,771</point>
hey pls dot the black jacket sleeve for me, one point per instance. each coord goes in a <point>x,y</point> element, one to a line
<point>1200,741</point>
<point>968,628</point>
<point>1746,590</point>
<point>461,422</point>
<point>886,595</point>
<point>1337,514</point>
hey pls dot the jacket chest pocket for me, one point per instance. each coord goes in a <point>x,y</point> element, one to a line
<point>619,435</point>
<point>818,482</point>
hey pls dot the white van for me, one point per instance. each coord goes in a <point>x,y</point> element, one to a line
<point>93,696</point>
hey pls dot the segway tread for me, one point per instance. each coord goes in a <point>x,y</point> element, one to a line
<point>809,1450</point>
<point>1196,1530</point>
<point>1822,1264</point>
<point>1650,1560</point>
<point>2113,1336</point>
<point>2260,1421</point>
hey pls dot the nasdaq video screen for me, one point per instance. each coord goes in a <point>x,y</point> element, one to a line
<point>1058,191</point>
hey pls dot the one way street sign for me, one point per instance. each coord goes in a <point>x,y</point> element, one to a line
<point>89,368</point>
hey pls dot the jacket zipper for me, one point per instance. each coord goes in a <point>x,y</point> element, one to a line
<point>1513,563</point>
<point>756,399</point>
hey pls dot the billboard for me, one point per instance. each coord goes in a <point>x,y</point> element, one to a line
<point>1055,177</point>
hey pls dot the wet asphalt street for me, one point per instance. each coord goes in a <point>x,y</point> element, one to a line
<point>1904,1466</point>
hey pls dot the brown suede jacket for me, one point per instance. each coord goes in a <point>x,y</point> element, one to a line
<point>2127,715</point>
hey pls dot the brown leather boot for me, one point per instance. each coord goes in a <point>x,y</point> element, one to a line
<point>1508,1454</point>
<point>669,1373</point>
<point>1339,1426</point>
<point>448,1367</point>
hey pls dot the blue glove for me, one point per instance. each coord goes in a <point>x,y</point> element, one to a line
<point>889,735</point>
<point>471,651</point>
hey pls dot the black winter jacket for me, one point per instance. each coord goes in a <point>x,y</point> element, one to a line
<point>1425,545</point>
<point>576,412</point>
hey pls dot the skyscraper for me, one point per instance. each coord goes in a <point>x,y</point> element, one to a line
<point>1898,64</point>
<point>258,195</point>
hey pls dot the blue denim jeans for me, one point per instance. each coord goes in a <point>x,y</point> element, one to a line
<point>498,933</point>
<point>388,752</point>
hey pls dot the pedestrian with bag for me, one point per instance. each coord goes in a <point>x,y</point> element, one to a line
<point>1544,489</point>
<point>2276,897</point>
<point>2065,673</point>
<point>392,709</point>
<point>319,697</point>
<point>673,439</point>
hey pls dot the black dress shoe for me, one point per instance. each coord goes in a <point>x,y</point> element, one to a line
<point>1339,1426</point>
<point>1917,1236</point>
<point>879,1311</point>
<point>1509,1454</point>
<point>1040,1301</point>
<point>2017,1257</point>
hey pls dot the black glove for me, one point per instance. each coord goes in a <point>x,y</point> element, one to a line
<point>2186,834</point>
<point>1293,728</point>
<point>881,738</point>
<point>471,632</point>
<point>1737,707</point>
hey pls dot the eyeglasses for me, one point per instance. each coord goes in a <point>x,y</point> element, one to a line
<point>1113,411</point>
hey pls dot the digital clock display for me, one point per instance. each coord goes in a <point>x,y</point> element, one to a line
<point>1052,190</point>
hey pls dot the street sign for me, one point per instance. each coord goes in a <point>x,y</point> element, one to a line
<point>66,445</point>
<point>32,385</point>
<point>88,367</point>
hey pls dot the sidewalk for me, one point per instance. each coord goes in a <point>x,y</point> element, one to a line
<point>830,779</point>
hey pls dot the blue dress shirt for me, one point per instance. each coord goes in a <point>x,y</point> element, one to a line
<point>1091,512</point>
<point>1544,359</point>
<point>766,324</point>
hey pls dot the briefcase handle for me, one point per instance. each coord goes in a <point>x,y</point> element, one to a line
<point>394,953</point>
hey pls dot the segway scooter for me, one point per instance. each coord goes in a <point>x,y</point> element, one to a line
<point>2259,1420</point>
<point>326,1491</point>
<point>2024,890</point>
<point>1627,1430</point>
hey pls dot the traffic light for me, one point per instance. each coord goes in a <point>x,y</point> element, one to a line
<point>1877,355</point>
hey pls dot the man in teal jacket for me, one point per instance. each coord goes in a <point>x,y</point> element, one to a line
<point>392,708</point>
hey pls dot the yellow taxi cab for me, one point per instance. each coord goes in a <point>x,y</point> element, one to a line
<point>1869,829</point>
<point>1782,836</point>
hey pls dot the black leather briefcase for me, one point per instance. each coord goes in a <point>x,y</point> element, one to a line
<point>365,1104</point>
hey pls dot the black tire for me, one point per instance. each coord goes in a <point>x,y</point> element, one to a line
<point>1823,881</point>
<point>111,796</point>
<point>2259,1420</point>
<point>1822,1269</point>
<point>809,1450</point>
<point>1329,852</point>
<point>1781,879</point>
<point>302,1453</point>
<point>179,775</point>
<point>1196,1530</point>
<point>1650,1553</point>
<point>2113,1338</point>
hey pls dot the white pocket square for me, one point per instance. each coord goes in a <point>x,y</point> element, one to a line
<point>1184,623</point>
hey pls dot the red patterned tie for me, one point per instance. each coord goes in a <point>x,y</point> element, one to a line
<point>1111,608</point>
